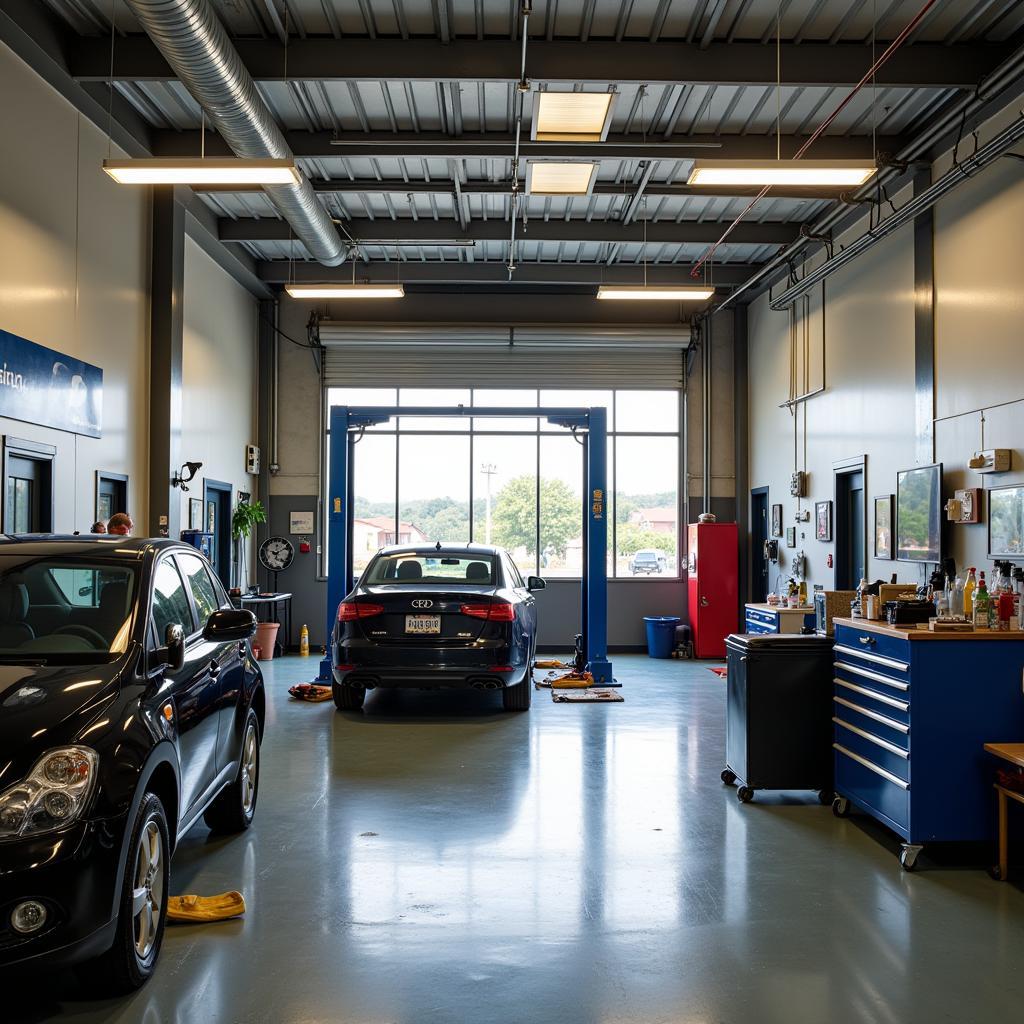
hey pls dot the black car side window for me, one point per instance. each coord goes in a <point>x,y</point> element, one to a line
<point>203,593</point>
<point>170,602</point>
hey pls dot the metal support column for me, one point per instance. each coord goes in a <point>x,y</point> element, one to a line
<point>338,533</point>
<point>166,332</point>
<point>595,577</point>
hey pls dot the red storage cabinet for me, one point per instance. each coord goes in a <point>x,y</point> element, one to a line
<point>712,586</point>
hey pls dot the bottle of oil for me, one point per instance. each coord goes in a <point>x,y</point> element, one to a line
<point>304,641</point>
<point>969,587</point>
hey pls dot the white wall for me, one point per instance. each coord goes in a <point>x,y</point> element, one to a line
<point>868,406</point>
<point>218,377</point>
<point>74,276</point>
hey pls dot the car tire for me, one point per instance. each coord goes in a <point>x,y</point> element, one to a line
<point>348,698</point>
<point>235,807</point>
<point>131,960</point>
<point>518,698</point>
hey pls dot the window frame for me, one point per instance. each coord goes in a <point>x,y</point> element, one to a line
<point>392,428</point>
<point>169,557</point>
<point>179,557</point>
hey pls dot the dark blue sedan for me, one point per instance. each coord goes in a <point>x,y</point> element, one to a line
<point>454,615</point>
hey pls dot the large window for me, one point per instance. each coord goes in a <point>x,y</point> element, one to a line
<point>518,482</point>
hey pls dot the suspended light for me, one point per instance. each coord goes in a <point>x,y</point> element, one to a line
<point>820,173</point>
<point>644,294</point>
<point>570,178</point>
<point>345,291</point>
<point>189,171</point>
<point>572,116</point>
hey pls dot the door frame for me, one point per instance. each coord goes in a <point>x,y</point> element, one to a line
<point>845,467</point>
<point>117,478</point>
<point>210,488</point>
<point>751,556</point>
<point>20,447</point>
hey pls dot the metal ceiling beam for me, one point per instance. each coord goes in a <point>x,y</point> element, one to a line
<point>444,187</point>
<point>499,146</point>
<point>433,232</point>
<point>591,275</point>
<point>497,60</point>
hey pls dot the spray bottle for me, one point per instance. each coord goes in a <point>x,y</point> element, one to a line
<point>304,641</point>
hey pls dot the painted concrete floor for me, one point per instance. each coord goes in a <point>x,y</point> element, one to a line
<point>438,861</point>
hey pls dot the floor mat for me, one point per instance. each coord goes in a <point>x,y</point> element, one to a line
<point>720,672</point>
<point>593,695</point>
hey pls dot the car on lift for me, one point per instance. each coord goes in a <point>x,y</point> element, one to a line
<point>130,707</point>
<point>427,617</point>
<point>648,562</point>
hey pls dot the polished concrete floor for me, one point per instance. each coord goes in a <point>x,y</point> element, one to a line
<point>437,861</point>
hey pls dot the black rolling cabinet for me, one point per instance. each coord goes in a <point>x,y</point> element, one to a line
<point>778,730</point>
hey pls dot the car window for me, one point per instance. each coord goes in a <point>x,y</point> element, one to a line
<point>413,567</point>
<point>517,579</point>
<point>79,587</point>
<point>203,593</point>
<point>170,602</point>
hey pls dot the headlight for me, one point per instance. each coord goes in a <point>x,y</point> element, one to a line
<point>54,794</point>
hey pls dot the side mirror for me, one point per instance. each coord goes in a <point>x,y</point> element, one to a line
<point>535,583</point>
<point>229,624</point>
<point>172,654</point>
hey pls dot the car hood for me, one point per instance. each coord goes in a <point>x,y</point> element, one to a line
<point>44,706</point>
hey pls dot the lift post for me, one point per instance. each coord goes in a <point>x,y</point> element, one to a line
<point>344,423</point>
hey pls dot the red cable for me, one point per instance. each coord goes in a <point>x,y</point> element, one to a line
<point>889,51</point>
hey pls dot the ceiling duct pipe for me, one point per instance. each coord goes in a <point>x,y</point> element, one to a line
<point>192,40</point>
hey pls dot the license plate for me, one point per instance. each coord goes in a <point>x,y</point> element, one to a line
<point>423,623</point>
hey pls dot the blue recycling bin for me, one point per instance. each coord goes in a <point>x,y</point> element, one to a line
<point>661,635</point>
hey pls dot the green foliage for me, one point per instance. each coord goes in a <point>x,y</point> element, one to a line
<point>514,516</point>
<point>632,539</point>
<point>245,517</point>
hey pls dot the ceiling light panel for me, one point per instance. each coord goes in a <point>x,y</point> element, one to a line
<point>202,172</point>
<point>547,178</point>
<point>820,173</point>
<point>345,291</point>
<point>572,116</point>
<point>681,294</point>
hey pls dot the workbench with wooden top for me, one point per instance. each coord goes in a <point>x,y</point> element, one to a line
<point>912,710</point>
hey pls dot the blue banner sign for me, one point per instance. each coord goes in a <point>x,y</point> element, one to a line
<point>38,385</point>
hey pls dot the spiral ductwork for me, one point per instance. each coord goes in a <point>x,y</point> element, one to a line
<point>190,36</point>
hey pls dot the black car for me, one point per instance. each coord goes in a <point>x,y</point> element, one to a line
<point>442,616</point>
<point>130,707</point>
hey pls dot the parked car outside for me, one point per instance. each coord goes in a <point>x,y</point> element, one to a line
<point>425,617</point>
<point>648,562</point>
<point>130,707</point>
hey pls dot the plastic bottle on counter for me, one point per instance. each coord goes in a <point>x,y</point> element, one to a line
<point>981,604</point>
<point>956,604</point>
<point>969,587</point>
<point>1018,579</point>
<point>1005,610</point>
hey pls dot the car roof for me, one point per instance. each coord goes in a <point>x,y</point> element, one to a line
<point>440,549</point>
<point>101,544</point>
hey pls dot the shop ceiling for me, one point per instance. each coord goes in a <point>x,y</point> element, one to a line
<point>402,116</point>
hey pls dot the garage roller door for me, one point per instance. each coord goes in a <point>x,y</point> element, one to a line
<point>461,355</point>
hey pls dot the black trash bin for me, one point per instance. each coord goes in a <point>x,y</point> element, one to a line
<point>778,729</point>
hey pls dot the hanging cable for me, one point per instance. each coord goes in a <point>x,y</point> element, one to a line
<point>522,89</point>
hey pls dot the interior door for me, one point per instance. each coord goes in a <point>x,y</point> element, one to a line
<point>28,508</point>
<point>851,564</point>
<point>759,531</point>
<point>217,505</point>
<point>111,495</point>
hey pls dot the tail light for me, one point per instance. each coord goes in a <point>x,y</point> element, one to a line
<point>500,611</point>
<point>350,610</point>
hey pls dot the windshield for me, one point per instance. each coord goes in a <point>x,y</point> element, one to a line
<point>66,609</point>
<point>436,567</point>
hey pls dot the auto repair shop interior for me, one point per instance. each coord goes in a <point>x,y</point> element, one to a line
<point>573,465</point>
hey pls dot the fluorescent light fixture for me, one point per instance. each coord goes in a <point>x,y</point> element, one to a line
<point>189,171</point>
<point>548,178</point>
<point>572,116</point>
<point>820,173</point>
<point>345,291</point>
<point>682,294</point>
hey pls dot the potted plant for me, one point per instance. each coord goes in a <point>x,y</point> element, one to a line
<point>243,520</point>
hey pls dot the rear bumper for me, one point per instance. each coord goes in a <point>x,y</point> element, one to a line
<point>74,874</point>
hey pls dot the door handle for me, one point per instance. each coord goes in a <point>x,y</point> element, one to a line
<point>214,669</point>
<point>704,602</point>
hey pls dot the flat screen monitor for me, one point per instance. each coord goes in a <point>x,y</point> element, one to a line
<point>919,514</point>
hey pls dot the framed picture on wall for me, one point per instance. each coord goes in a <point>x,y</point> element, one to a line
<point>884,516</point>
<point>1006,522</point>
<point>244,497</point>
<point>823,520</point>
<point>790,536</point>
<point>195,513</point>
<point>776,520</point>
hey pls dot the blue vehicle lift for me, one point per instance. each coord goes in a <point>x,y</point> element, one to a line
<point>349,422</point>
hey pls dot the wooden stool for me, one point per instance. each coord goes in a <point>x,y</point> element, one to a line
<point>1014,754</point>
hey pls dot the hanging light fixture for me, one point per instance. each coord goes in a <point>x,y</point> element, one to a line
<point>813,173</point>
<point>655,294</point>
<point>345,291</point>
<point>192,171</point>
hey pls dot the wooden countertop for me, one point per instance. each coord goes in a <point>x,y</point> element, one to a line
<point>806,609</point>
<point>1012,752</point>
<point>918,632</point>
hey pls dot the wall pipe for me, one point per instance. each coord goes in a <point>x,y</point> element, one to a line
<point>966,108</point>
<point>920,204</point>
<point>192,40</point>
<point>521,89</point>
<point>705,412</point>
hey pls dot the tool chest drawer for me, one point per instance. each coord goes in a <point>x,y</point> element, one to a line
<point>765,617</point>
<point>873,699</point>
<point>881,753</point>
<point>881,726</point>
<point>753,626</point>
<point>886,653</point>
<point>884,793</point>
